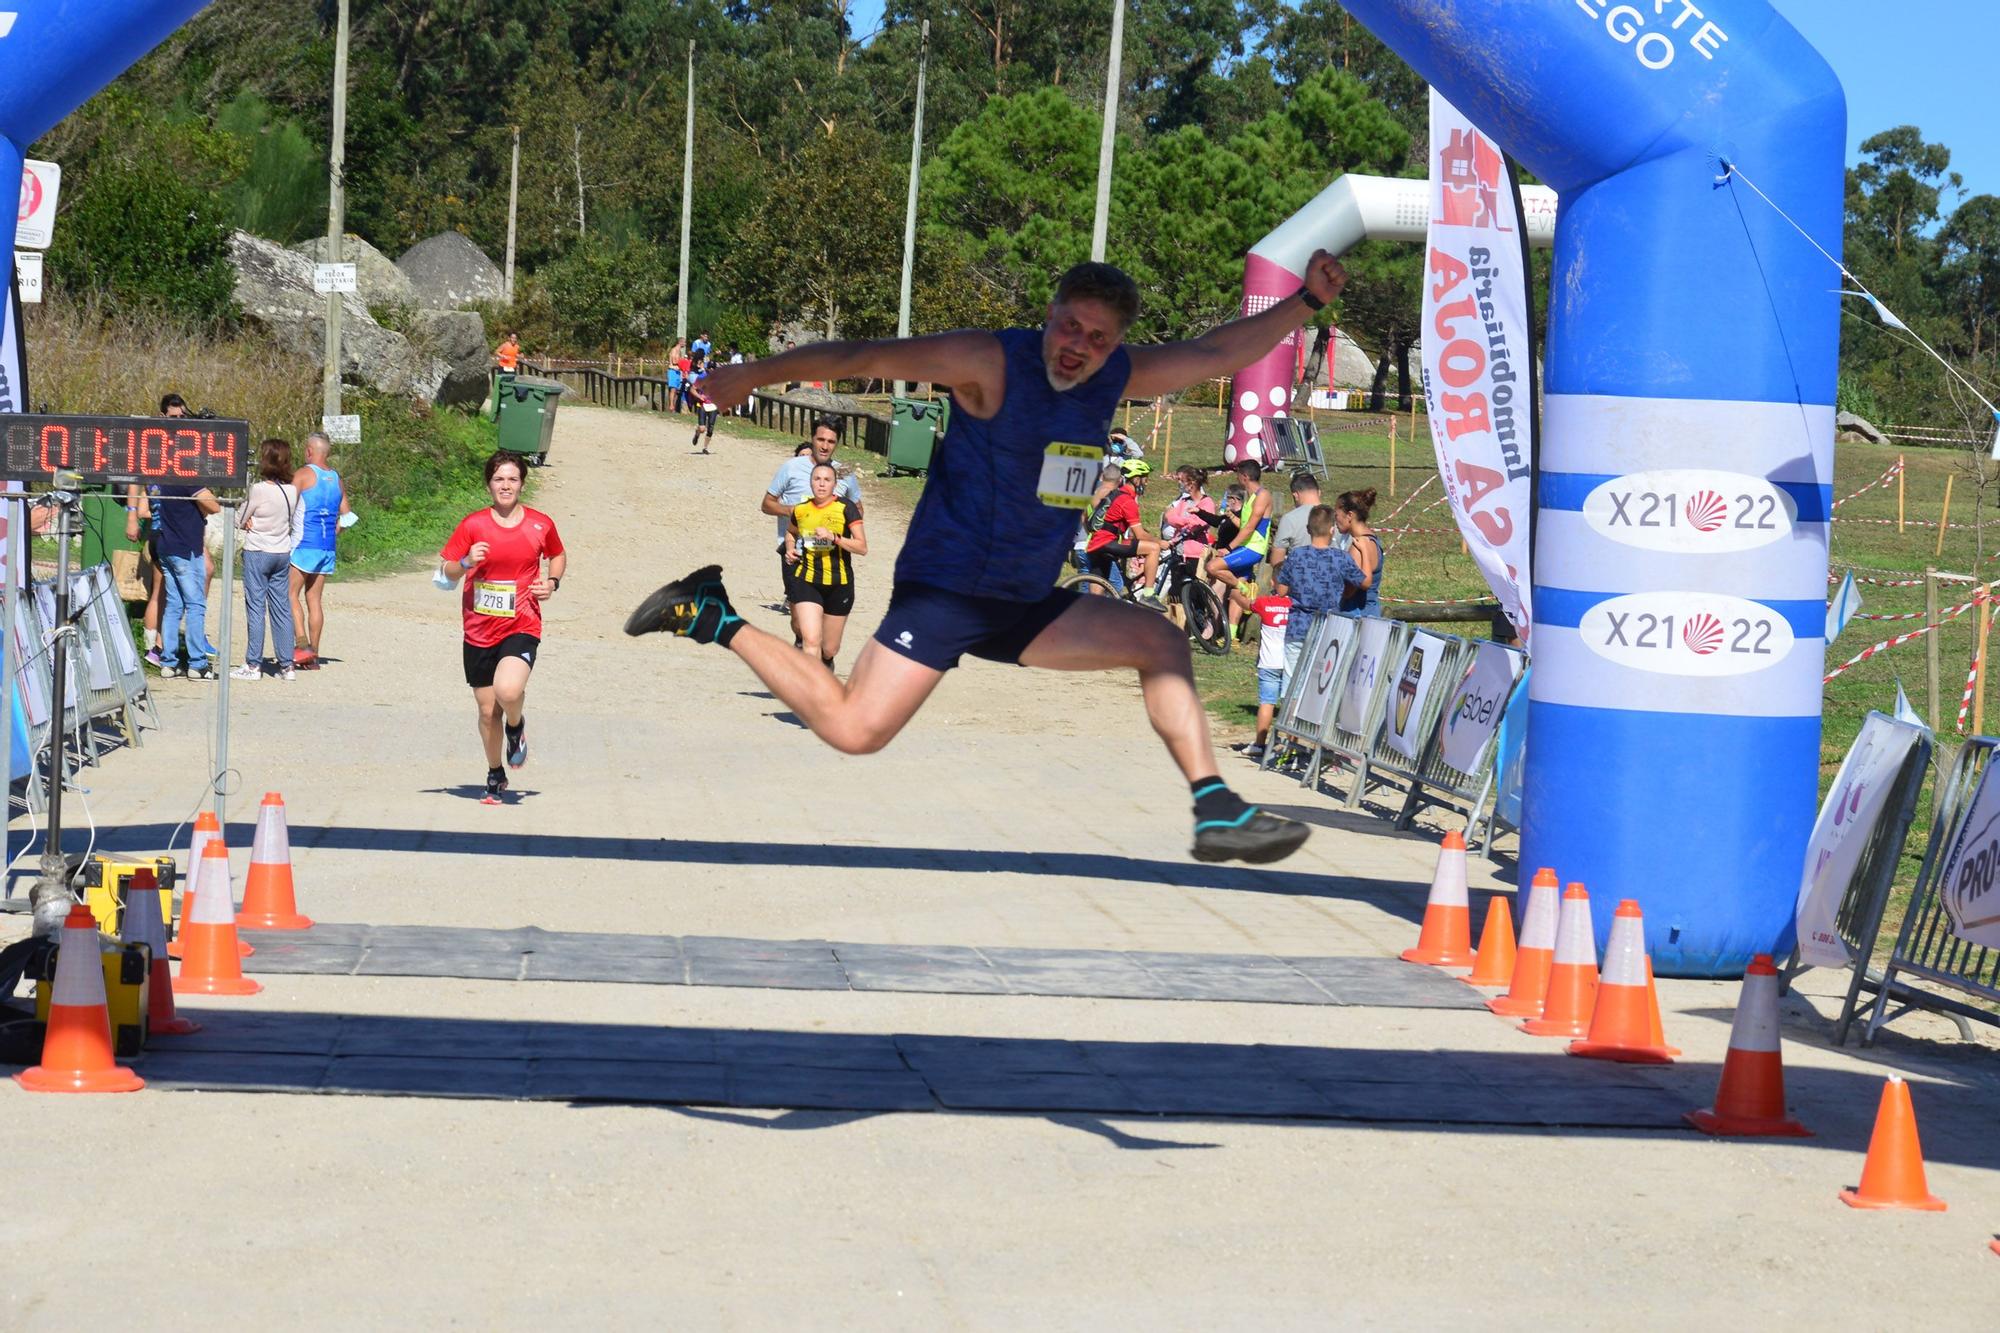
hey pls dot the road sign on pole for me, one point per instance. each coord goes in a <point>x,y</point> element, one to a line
<point>333,278</point>
<point>40,183</point>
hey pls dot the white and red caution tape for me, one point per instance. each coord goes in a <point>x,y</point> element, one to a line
<point>1894,468</point>
<point>1971,681</point>
<point>1875,648</point>
<point>1412,496</point>
<point>1437,601</point>
<point>1859,577</point>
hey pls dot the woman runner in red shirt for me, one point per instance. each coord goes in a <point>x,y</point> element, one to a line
<point>498,553</point>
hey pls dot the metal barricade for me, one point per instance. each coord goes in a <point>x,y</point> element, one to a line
<point>1926,948</point>
<point>1355,747</point>
<point>1289,722</point>
<point>1391,764</point>
<point>1435,781</point>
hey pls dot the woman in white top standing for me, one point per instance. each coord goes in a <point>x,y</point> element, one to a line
<point>269,512</point>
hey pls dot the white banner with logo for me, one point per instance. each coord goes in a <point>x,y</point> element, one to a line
<point>1472,714</point>
<point>1854,805</point>
<point>1967,884</point>
<point>1478,354</point>
<point>1361,676</point>
<point>1321,686</point>
<point>1423,657</point>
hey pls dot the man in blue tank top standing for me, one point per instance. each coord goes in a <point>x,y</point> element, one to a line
<point>1031,412</point>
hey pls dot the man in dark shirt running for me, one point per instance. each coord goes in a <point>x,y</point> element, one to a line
<point>1030,413</point>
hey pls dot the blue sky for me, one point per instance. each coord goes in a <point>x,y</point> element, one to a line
<point>1928,63</point>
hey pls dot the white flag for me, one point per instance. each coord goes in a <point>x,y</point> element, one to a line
<point>1905,713</point>
<point>1842,608</point>
<point>1478,356</point>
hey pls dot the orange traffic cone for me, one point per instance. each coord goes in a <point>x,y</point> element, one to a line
<point>142,925</point>
<point>1656,1033</point>
<point>1530,981</point>
<point>211,965</point>
<point>1893,1175</point>
<point>1446,937</point>
<point>1624,1014</point>
<point>268,902</point>
<point>206,829</point>
<point>1573,976</point>
<point>1495,964</point>
<point>1750,1100</point>
<point>76,1052</point>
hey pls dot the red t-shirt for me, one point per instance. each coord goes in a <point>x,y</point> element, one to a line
<point>1120,517</point>
<point>498,600</point>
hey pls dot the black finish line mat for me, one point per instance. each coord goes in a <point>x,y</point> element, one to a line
<point>1537,1087</point>
<point>532,954</point>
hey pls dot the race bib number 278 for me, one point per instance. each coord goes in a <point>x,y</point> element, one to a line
<point>1069,474</point>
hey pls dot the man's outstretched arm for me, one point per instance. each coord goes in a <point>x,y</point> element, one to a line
<point>970,361</point>
<point>1227,348</point>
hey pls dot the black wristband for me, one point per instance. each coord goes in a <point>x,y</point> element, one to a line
<point>1313,303</point>
<point>555,583</point>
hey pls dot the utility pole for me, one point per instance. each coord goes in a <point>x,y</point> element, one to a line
<point>687,204</point>
<point>910,208</point>
<point>1102,221</point>
<point>336,207</point>
<point>513,201</point>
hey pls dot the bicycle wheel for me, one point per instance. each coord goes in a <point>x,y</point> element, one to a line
<point>1206,624</point>
<point>1090,585</point>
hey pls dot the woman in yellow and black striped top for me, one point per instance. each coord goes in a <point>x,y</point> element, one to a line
<point>820,547</point>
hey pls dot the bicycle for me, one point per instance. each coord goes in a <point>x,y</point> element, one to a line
<point>1176,585</point>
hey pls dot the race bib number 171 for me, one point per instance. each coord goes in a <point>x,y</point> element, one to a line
<point>1069,474</point>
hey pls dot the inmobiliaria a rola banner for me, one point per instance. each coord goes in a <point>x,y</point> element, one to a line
<point>1478,353</point>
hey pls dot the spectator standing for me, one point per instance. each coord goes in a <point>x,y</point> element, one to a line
<point>674,384</point>
<point>702,350</point>
<point>268,516</point>
<point>1273,610</point>
<point>323,511</point>
<point>178,514</point>
<point>1291,529</point>
<point>144,531</point>
<point>686,368</point>
<point>1364,593</point>
<point>1316,577</point>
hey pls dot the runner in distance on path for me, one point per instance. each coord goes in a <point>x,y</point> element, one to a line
<point>497,554</point>
<point>1031,411</point>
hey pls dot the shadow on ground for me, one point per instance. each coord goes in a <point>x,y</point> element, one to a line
<point>854,1074</point>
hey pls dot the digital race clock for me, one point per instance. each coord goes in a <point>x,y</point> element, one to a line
<point>189,451</point>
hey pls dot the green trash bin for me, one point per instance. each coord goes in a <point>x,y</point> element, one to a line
<point>527,416</point>
<point>914,429</point>
<point>103,529</point>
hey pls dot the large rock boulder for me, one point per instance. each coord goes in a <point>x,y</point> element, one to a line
<point>1849,428</point>
<point>457,338</point>
<point>449,272</point>
<point>381,284</point>
<point>274,288</point>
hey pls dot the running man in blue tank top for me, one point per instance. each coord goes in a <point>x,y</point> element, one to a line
<point>1031,411</point>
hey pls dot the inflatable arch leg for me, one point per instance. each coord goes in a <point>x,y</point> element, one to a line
<point>1687,450</point>
<point>56,54</point>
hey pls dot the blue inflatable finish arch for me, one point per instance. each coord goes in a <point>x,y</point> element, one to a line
<point>1687,455</point>
<point>56,54</point>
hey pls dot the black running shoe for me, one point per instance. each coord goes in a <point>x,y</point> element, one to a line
<point>696,607</point>
<point>517,744</point>
<point>1257,837</point>
<point>496,782</point>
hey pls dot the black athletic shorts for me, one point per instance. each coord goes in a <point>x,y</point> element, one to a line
<point>480,662</point>
<point>1100,561</point>
<point>934,627</point>
<point>835,601</point>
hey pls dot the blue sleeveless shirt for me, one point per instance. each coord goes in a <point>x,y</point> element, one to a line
<point>980,527</point>
<point>322,510</point>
